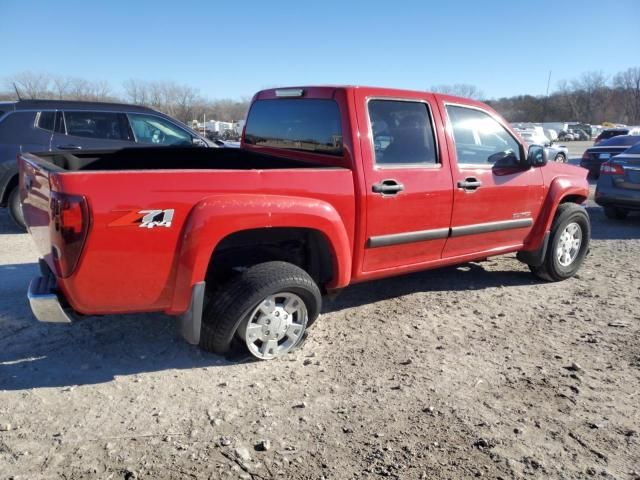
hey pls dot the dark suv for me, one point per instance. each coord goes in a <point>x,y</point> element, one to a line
<point>59,125</point>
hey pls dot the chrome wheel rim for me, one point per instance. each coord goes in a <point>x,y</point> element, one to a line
<point>275,326</point>
<point>569,244</point>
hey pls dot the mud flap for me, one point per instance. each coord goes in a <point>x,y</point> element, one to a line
<point>189,323</point>
<point>535,258</point>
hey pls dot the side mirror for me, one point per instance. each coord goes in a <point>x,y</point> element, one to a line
<point>536,156</point>
<point>506,159</point>
<point>198,142</point>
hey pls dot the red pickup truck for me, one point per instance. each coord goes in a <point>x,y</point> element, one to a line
<point>331,186</point>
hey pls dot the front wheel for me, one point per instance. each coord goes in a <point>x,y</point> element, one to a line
<point>15,208</point>
<point>568,244</point>
<point>267,307</point>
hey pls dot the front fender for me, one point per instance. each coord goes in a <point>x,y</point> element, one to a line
<point>559,189</point>
<point>217,216</point>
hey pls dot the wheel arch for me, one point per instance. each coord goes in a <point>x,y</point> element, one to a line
<point>562,190</point>
<point>220,223</point>
<point>9,179</point>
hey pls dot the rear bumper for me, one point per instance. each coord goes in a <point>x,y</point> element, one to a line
<point>592,165</point>
<point>618,198</point>
<point>44,299</point>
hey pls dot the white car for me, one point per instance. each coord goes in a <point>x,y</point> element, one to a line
<point>558,153</point>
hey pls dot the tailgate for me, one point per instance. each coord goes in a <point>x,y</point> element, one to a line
<point>35,194</point>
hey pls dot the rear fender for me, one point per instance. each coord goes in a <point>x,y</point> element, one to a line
<point>560,189</point>
<point>215,217</point>
<point>8,179</point>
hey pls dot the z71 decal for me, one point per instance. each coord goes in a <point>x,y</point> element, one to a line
<point>145,218</point>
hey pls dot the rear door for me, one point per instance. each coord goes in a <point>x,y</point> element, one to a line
<point>493,208</point>
<point>84,129</point>
<point>408,182</point>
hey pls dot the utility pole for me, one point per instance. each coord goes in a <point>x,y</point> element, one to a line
<point>546,98</point>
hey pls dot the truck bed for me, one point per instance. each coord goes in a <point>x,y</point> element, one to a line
<point>125,268</point>
<point>169,158</point>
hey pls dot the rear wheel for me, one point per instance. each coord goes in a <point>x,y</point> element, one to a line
<point>615,213</point>
<point>267,308</point>
<point>561,158</point>
<point>568,244</point>
<point>15,208</point>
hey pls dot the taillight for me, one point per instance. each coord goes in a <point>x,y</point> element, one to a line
<point>69,228</point>
<point>608,168</point>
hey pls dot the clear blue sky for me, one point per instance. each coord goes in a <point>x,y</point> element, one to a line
<point>230,49</point>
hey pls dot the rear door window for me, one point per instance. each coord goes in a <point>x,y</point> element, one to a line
<point>45,120</point>
<point>310,125</point>
<point>402,133</point>
<point>59,124</point>
<point>103,125</point>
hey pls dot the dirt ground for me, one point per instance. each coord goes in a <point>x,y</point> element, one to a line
<point>475,371</point>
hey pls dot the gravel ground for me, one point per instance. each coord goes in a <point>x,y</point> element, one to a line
<point>479,370</point>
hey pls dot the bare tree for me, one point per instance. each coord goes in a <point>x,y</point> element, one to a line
<point>30,84</point>
<point>628,85</point>
<point>590,96</point>
<point>460,90</point>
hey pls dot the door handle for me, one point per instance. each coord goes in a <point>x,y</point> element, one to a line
<point>387,187</point>
<point>469,184</point>
<point>69,147</point>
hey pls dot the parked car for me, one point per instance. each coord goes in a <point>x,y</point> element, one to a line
<point>57,125</point>
<point>242,242</point>
<point>618,188</point>
<point>566,136</point>
<point>594,157</point>
<point>555,152</point>
<point>614,132</point>
<point>581,135</point>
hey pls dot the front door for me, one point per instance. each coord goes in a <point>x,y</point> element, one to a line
<point>408,186</point>
<point>494,208</point>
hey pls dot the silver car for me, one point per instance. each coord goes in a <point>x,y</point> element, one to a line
<point>558,153</point>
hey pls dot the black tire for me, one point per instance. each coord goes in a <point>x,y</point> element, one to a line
<point>551,269</point>
<point>15,209</point>
<point>234,301</point>
<point>615,213</point>
<point>561,158</point>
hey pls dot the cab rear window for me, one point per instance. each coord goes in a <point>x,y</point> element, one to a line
<point>311,125</point>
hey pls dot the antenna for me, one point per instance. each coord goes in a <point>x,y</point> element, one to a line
<point>15,87</point>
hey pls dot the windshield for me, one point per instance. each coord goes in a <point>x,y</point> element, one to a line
<point>613,133</point>
<point>621,140</point>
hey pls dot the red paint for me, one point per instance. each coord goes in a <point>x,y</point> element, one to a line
<point>125,268</point>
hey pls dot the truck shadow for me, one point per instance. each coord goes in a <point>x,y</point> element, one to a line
<point>603,228</point>
<point>92,350</point>
<point>99,349</point>
<point>466,277</point>
<point>7,226</point>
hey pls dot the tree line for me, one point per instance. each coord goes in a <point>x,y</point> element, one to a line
<point>182,102</point>
<point>593,97</point>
